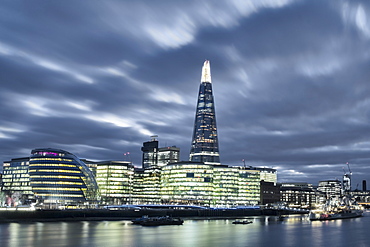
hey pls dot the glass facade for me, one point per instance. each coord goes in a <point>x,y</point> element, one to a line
<point>197,183</point>
<point>115,179</point>
<point>248,187</point>
<point>298,195</point>
<point>154,156</point>
<point>331,188</point>
<point>59,176</point>
<point>168,155</point>
<point>150,153</point>
<point>266,174</point>
<point>204,147</point>
<point>16,183</point>
<point>147,186</point>
<point>187,183</point>
<point>225,186</point>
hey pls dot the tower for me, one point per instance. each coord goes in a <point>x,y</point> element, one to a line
<point>150,152</point>
<point>204,147</point>
<point>154,156</point>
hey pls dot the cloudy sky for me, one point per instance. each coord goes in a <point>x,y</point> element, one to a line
<point>291,80</point>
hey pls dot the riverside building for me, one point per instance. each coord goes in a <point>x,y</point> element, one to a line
<point>16,186</point>
<point>197,183</point>
<point>115,181</point>
<point>147,186</point>
<point>298,195</point>
<point>59,177</point>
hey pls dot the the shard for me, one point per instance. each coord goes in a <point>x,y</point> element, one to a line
<point>204,147</point>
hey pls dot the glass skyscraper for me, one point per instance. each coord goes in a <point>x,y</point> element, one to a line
<point>204,147</point>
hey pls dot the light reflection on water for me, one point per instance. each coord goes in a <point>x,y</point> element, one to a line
<point>265,231</point>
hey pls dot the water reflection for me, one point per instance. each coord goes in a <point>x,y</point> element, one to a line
<point>264,231</point>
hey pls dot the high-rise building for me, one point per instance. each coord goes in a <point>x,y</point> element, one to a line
<point>347,177</point>
<point>154,156</point>
<point>150,152</point>
<point>204,147</point>
<point>347,182</point>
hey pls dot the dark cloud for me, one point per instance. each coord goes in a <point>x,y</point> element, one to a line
<point>290,80</point>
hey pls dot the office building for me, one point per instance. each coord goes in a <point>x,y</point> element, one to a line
<point>266,174</point>
<point>270,192</point>
<point>150,152</point>
<point>203,184</point>
<point>154,156</point>
<point>330,188</point>
<point>59,177</point>
<point>298,195</point>
<point>168,155</point>
<point>249,186</point>
<point>115,181</point>
<point>147,185</point>
<point>16,186</point>
<point>225,186</point>
<point>204,146</point>
<point>347,182</point>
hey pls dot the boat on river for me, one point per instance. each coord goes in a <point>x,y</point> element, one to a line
<point>157,221</point>
<point>337,215</point>
<point>244,222</point>
<point>337,209</point>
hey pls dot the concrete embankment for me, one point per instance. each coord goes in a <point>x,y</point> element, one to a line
<point>105,214</point>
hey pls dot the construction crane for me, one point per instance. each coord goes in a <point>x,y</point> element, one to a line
<point>349,169</point>
<point>347,179</point>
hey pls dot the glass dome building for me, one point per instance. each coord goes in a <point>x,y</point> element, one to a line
<point>59,176</point>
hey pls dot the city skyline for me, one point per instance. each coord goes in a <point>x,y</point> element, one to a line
<point>290,80</point>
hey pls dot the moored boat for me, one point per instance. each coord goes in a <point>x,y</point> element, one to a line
<point>337,209</point>
<point>345,214</point>
<point>244,222</point>
<point>137,221</point>
<point>158,221</point>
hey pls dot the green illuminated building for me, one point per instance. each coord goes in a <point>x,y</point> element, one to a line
<point>202,184</point>
<point>147,186</point>
<point>115,181</point>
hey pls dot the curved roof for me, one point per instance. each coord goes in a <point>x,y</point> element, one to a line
<point>54,150</point>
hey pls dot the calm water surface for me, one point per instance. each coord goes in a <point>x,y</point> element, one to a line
<point>265,231</point>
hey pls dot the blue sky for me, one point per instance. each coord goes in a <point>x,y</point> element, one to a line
<point>98,78</point>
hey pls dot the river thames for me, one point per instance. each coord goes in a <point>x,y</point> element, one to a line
<point>264,231</point>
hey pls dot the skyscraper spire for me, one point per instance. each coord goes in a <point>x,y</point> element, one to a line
<point>204,147</point>
<point>206,72</point>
